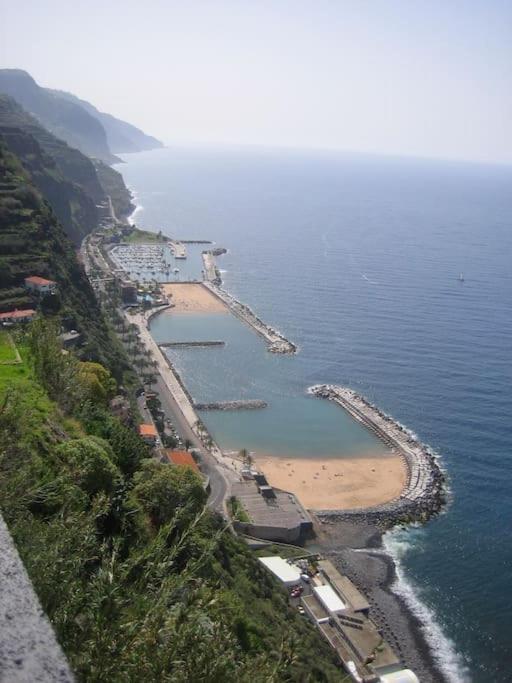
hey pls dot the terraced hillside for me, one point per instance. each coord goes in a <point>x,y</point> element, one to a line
<point>32,242</point>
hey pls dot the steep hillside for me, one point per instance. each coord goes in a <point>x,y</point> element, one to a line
<point>113,184</point>
<point>62,117</point>
<point>32,242</point>
<point>121,136</point>
<point>141,581</point>
<point>72,183</point>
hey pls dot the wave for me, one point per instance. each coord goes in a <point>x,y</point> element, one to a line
<point>397,543</point>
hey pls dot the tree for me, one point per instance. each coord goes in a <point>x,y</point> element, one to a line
<point>160,490</point>
<point>89,462</point>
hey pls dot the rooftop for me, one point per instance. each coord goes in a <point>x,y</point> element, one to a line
<point>147,430</point>
<point>344,586</point>
<point>329,598</point>
<point>182,458</point>
<point>285,572</point>
<point>40,281</point>
<point>28,313</point>
<point>282,511</point>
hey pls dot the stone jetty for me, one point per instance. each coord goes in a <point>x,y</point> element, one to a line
<point>247,404</point>
<point>179,249</point>
<point>211,272</point>
<point>424,493</point>
<point>183,344</point>
<point>277,343</point>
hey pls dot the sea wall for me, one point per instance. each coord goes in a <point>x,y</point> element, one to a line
<point>425,491</point>
<point>277,343</point>
<point>245,404</point>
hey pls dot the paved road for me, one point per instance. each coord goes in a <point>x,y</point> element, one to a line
<point>219,485</point>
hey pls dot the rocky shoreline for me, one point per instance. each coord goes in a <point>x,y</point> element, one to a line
<point>424,494</point>
<point>355,548</point>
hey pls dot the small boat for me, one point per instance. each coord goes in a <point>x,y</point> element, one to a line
<point>176,270</point>
<point>461,277</point>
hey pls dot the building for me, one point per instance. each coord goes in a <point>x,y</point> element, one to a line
<point>40,285</point>
<point>329,599</point>
<point>128,292</point>
<point>183,458</point>
<point>353,598</point>
<point>148,433</point>
<point>285,572</point>
<point>275,515</point>
<point>71,339</point>
<point>400,676</point>
<point>16,316</point>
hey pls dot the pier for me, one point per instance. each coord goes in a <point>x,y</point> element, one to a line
<point>423,494</point>
<point>178,249</point>
<point>211,273</point>
<point>247,404</point>
<point>184,344</point>
<point>277,343</point>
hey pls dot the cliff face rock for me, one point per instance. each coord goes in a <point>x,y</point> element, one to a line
<point>113,184</point>
<point>65,177</point>
<point>121,136</point>
<point>62,117</point>
<point>32,242</point>
<point>71,182</point>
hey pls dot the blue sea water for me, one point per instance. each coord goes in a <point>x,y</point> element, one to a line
<point>357,259</point>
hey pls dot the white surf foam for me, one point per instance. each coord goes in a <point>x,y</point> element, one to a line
<point>397,544</point>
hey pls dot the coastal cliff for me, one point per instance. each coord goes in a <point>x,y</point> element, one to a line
<point>72,183</point>
<point>128,563</point>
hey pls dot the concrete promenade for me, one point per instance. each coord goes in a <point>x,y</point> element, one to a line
<point>221,470</point>
<point>210,269</point>
<point>179,249</point>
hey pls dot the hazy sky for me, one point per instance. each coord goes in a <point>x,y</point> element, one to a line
<point>423,77</point>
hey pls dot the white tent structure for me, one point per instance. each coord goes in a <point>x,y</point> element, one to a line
<point>329,599</point>
<point>402,676</point>
<point>289,574</point>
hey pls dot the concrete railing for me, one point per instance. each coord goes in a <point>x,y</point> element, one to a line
<point>29,651</point>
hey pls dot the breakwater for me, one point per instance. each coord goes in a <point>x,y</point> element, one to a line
<point>424,493</point>
<point>211,272</point>
<point>277,343</point>
<point>182,344</point>
<point>179,249</point>
<point>247,404</point>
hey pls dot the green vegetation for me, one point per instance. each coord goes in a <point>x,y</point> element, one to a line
<point>144,236</point>
<point>33,243</point>
<point>140,579</point>
<point>237,510</point>
<point>8,352</point>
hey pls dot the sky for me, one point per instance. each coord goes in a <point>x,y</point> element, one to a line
<point>407,77</point>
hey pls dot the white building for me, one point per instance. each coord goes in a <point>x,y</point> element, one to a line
<point>287,573</point>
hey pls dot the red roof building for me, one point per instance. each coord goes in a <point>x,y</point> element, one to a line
<point>182,458</point>
<point>40,284</point>
<point>148,433</point>
<point>17,316</point>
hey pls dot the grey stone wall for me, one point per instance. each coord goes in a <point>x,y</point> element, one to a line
<point>29,651</point>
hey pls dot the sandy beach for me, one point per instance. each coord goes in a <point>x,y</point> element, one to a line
<point>337,483</point>
<point>193,298</point>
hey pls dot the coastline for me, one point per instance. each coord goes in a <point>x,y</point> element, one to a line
<point>361,551</point>
<point>368,562</point>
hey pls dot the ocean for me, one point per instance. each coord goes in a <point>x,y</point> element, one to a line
<point>357,259</point>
